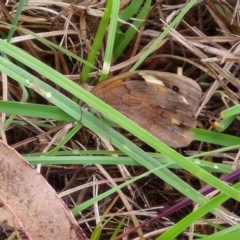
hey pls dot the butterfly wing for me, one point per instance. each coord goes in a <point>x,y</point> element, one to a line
<point>164,107</point>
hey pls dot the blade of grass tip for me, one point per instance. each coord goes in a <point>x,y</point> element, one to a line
<point>232,232</point>
<point>164,34</point>
<point>224,124</point>
<point>124,122</point>
<point>215,138</point>
<point>114,5</point>
<point>232,111</point>
<point>102,29</point>
<point>64,140</point>
<point>129,11</point>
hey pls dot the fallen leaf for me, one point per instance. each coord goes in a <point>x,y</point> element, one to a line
<point>29,204</point>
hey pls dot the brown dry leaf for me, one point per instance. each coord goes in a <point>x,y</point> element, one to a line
<point>29,204</point>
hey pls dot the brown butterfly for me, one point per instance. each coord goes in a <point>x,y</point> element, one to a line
<point>162,103</point>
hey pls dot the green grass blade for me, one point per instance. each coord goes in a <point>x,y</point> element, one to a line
<point>164,34</point>
<point>224,124</point>
<point>43,89</point>
<point>129,11</point>
<point>15,19</point>
<point>195,215</point>
<point>123,40</point>
<point>215,137</point>
<point>34,110</point>
<point>65,140</point>
<point>232,111</point>
<point>114,5</point>
<point>102,29</point>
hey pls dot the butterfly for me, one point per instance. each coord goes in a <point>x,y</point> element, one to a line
<point>162,103</point>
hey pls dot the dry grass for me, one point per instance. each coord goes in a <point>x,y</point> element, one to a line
<point>205,45</point>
